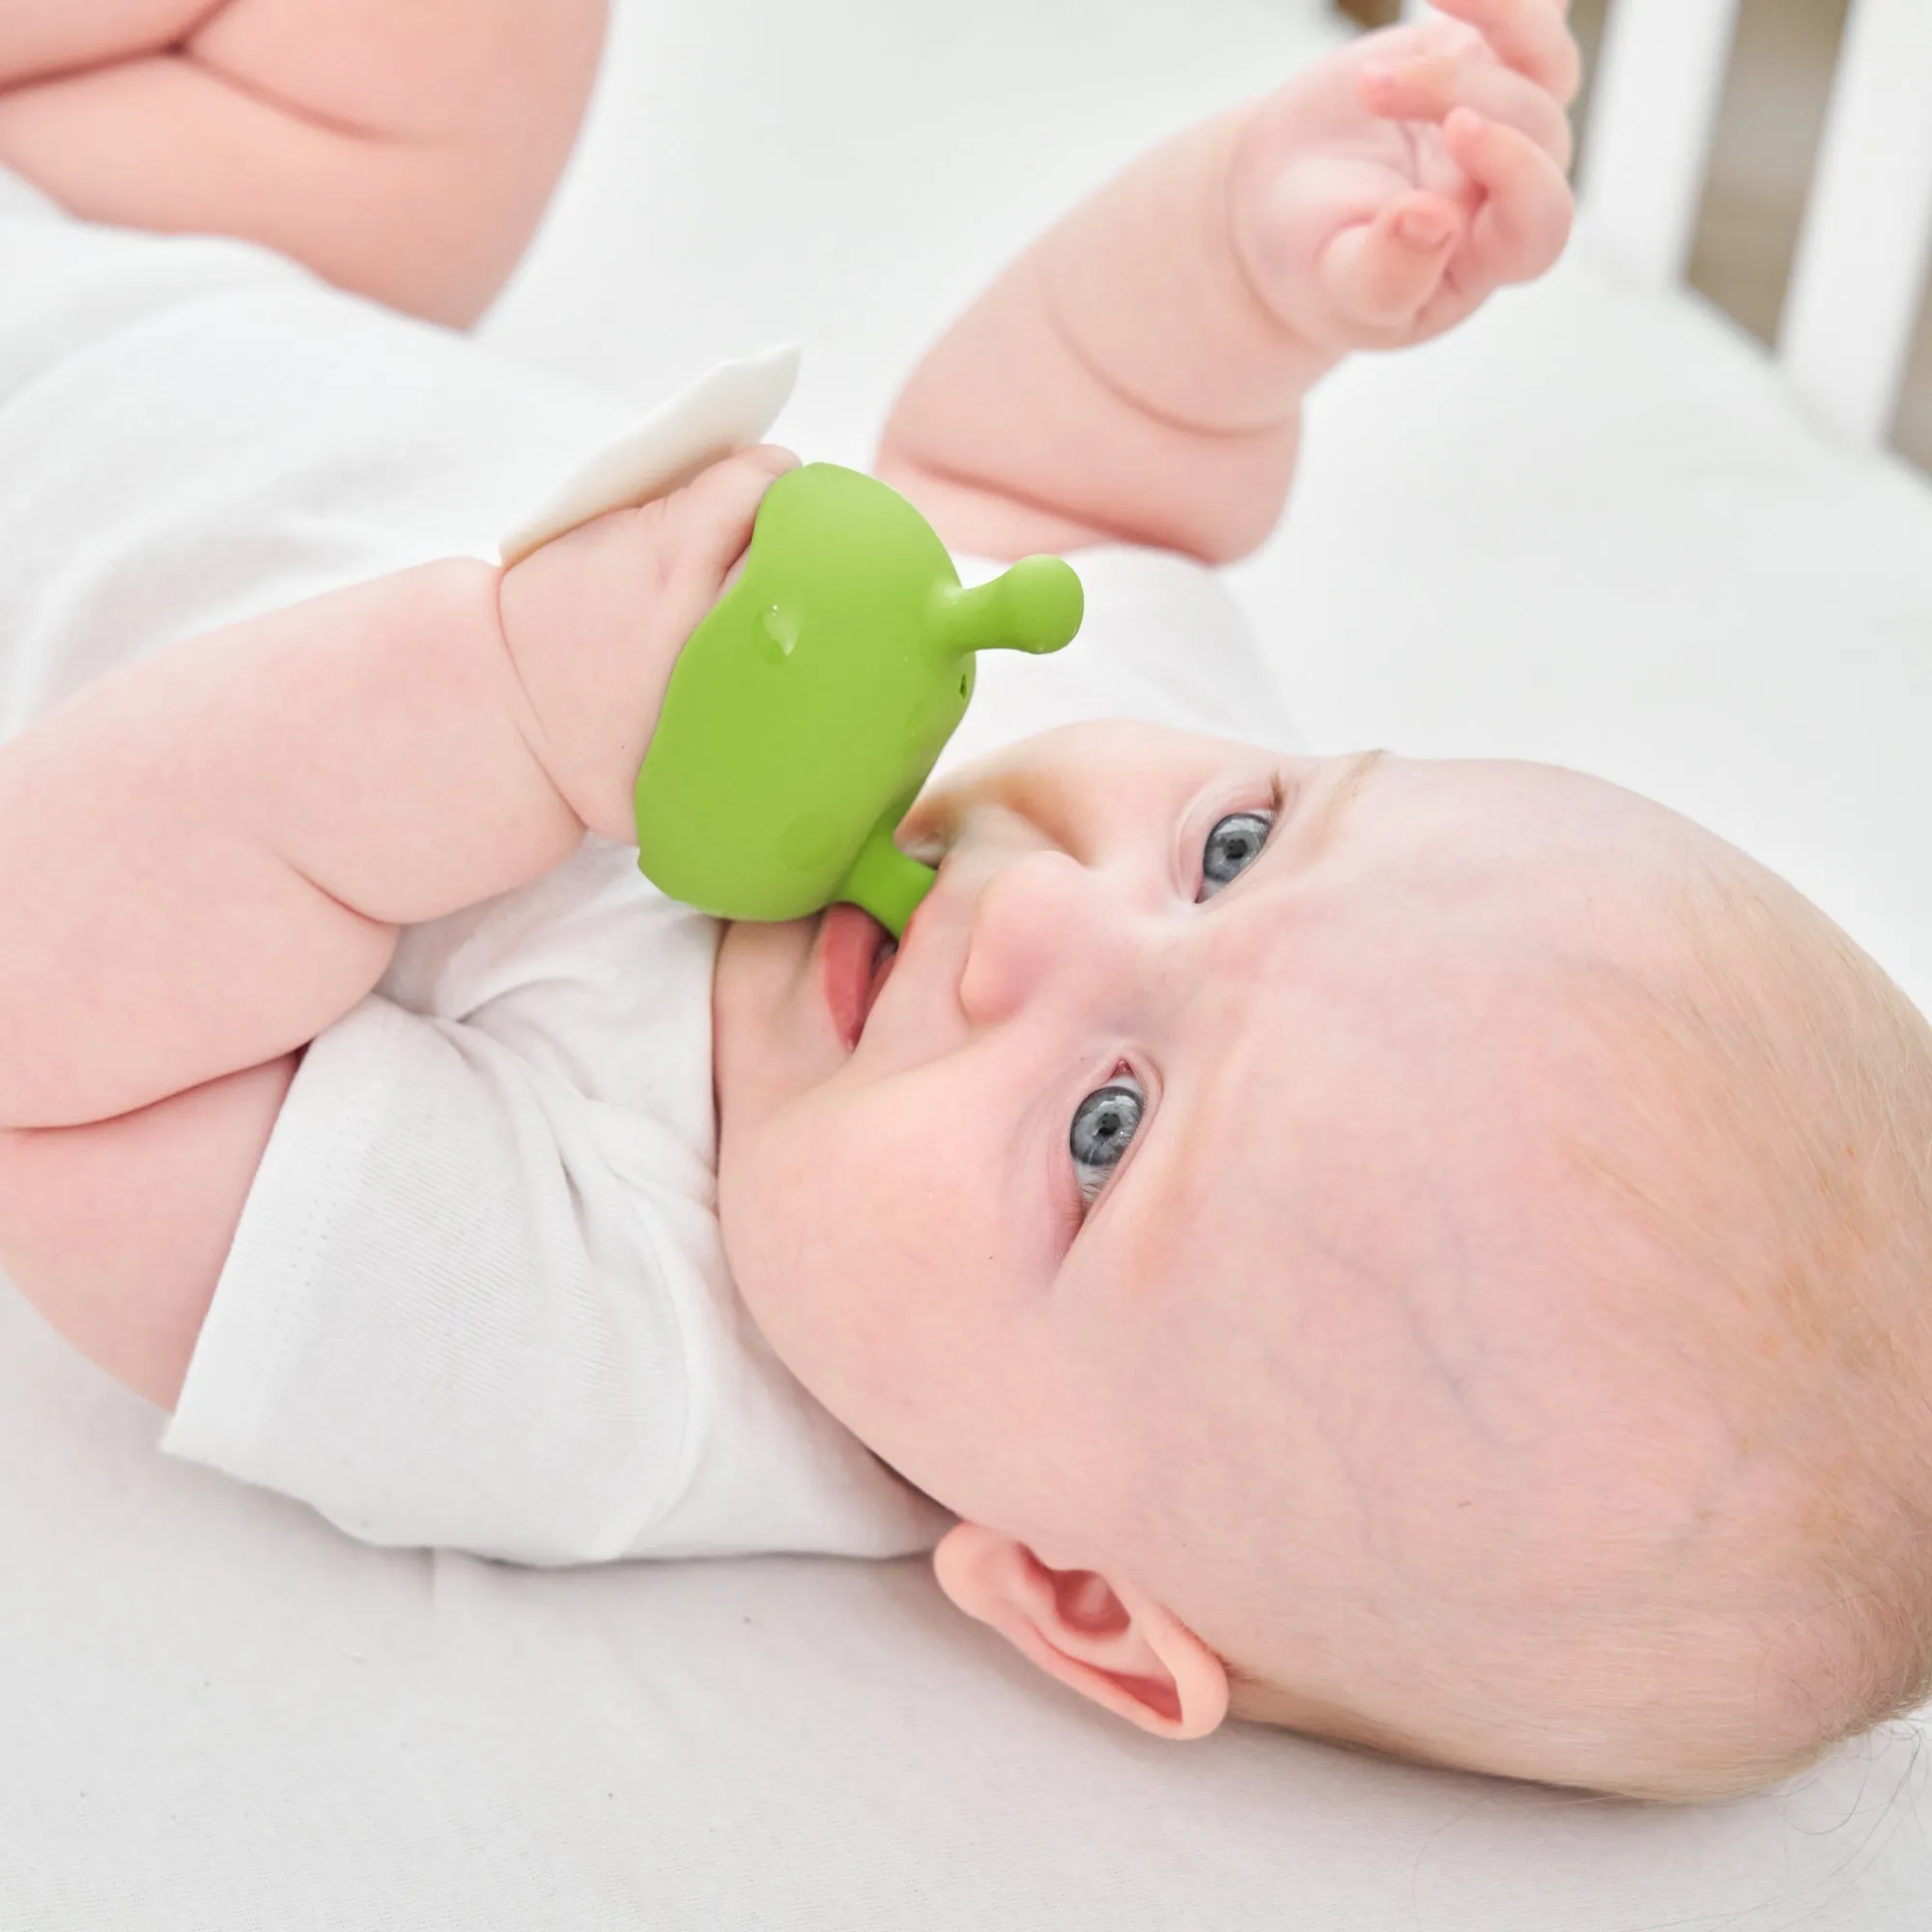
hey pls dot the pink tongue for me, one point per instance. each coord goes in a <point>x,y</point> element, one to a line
<point>852,940</point>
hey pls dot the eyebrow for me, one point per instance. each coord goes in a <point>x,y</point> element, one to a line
<point>1320,828</point>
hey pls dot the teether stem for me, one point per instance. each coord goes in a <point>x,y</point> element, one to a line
<point>1034,604</point>
<point>886,883</point>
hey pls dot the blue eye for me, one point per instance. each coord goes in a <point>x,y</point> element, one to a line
<point>1103,1125</point>
<point>1233,846</point>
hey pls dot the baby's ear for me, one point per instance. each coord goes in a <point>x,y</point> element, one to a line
<point>1095,1634</point>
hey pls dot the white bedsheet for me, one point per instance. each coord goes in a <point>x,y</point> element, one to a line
<point>1588,529</point>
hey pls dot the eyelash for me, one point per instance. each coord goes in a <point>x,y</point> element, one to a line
<point>1083,1197</point>
<point>1122,1076</point>
<point>1271,812</point>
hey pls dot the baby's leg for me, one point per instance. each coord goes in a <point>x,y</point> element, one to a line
<point>403,149</point>
<point>43,38</point>
<point>117,1231</point>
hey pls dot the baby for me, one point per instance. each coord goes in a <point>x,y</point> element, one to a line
<point>1427,1254</point>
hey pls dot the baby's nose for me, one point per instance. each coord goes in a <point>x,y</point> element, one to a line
<point>1043,924</point>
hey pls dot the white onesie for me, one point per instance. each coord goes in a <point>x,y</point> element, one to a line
<point>477,1296</point>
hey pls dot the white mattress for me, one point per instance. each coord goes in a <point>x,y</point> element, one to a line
<point>1588,530</point>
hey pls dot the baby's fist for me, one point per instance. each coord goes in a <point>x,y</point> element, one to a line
<point>1381,197</point>
<point>594,621</point>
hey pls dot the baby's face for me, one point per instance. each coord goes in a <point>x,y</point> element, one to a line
<point>1178,1169</point>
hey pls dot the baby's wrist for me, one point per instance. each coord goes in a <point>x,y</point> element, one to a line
<point>1148,285</point>
<point>587,679</point>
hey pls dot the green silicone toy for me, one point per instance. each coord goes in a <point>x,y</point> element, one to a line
<point>806,710</point>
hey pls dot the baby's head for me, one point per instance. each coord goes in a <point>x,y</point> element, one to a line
<point>1426,1253</point>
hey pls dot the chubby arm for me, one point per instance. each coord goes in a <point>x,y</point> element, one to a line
<point>1139,372</point>
<point>206,857</point>
<point>402,149</point>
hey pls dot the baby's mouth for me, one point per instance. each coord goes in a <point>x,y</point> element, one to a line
<point>856,959</point>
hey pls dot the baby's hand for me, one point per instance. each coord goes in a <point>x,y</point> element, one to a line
<point>1377,199</point>
<point>594,621</point>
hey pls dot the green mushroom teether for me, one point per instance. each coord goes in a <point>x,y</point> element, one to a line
<point>809,707</point>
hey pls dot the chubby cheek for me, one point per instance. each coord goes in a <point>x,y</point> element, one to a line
<point>870,1247</point>
<point>792,1183</point>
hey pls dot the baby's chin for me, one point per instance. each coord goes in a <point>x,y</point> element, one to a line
<point>770,1038</point>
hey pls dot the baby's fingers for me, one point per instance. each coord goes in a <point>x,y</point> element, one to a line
<point>702,530</point>
<point>1524,218</point>
<point>1433,87</point>
<point>1379,274</point>
<point>1530,35</point>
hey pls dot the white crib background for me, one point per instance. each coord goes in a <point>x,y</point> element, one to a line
<point>1859,275</point>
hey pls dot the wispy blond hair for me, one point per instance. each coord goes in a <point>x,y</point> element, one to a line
<point>1761,1120</point>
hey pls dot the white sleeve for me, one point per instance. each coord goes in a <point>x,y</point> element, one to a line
<point>441,1321</point>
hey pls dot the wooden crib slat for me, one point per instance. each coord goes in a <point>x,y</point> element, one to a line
<point>1653,107</point>
<point>1866,241</point>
